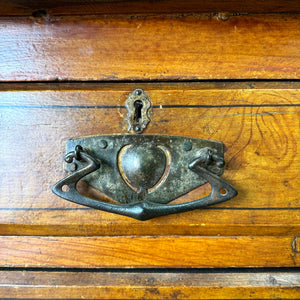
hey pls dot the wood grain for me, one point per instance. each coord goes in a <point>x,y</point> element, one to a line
<point>78,222</point>
<point>63,7</point>
<point>259,126</point>
<point>98,41</point>
<point>133,285</point>
<point>171,47</point>
<point>148,252</point>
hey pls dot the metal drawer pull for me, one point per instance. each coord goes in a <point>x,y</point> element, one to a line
<point>144,173</point>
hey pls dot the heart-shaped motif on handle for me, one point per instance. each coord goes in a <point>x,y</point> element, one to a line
<point>142,167</point>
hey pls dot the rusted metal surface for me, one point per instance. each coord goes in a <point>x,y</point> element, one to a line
<point>144,173</point>
<point>138,106</point>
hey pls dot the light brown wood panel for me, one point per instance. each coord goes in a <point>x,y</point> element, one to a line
<point>78,221</point>
<point>260,141</point>
<point>88,43</point>
<point>133,285</point>
<point>63,7</point>
<point>148,252</point>
<point>259,126</point>
<point>173,47</point>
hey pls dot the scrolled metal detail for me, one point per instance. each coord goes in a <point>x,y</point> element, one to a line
<point>153,168</point>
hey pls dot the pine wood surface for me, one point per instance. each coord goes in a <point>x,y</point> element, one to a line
<point>53,249</point>
<point>259,126</point>
<point>150,47</point>
<point>133,285</point>
<point>148,252</point>
<point>78,222</point>
<point>64,7</point>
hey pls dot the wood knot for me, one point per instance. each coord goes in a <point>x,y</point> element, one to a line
<point>223,16</point>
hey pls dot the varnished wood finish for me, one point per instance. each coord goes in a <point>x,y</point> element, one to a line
<point>54,249</point>
<point>148,252</point>
<point>80,221</point>
<point>171,47</point>
<point>133,285</point>
<point>259,126</point>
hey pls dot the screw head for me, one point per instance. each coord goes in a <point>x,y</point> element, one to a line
<point>137,128</point>
<point>138,92</point>
<point>187,146</point>
<point>220,163</point>
<point>103,144</point>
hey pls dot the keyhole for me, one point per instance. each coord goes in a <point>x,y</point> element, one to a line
<point>138,105</point>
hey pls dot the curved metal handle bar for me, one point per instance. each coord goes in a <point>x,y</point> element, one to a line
<point>144,210</point>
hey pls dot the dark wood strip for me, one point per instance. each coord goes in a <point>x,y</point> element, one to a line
<point>137,285</point>
<point>64,7</point>
<point>87,208</point>
<point>283,84</point>
<point>154,106</point>
<point>248,270</point>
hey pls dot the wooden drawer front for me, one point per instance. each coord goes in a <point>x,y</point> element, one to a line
<point>66,70</point>
<point>140,285</point>
<point>258,124</point>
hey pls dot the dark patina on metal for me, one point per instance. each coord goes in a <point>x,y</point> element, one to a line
<point>144,173</point>
<point>138,107</point>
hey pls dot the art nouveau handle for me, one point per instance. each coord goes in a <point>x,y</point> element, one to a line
<point>143,210</point>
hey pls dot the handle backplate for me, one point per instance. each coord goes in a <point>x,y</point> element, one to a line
<point>144,173</point>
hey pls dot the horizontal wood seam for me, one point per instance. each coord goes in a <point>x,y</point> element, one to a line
<point>158,270</point>
<point>154,106</point>
<point>147,81</point>
<point>175,15</point>
<point>86,208</point>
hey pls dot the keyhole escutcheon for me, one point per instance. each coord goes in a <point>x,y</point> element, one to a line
<point>138,105</point>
